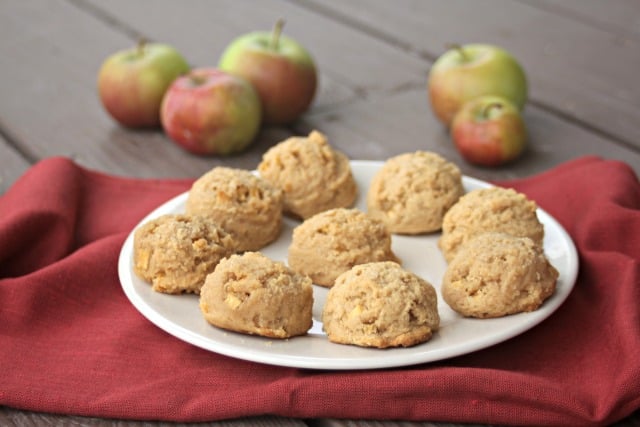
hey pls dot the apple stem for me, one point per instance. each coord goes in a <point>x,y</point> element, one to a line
<point>142,42</point>
<point>460,50</point>
<point>275,36</point>
<point>489,108</point>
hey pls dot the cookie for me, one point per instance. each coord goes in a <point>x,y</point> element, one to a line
<point>176,252</point>
<point>333,241</point>
<point>246,206</point>
<point>491,209</point>
<point>313,176</point>
<point>254,295</point>
<point>412,192</point>
<point>497,274</point>
<point>380,305</point>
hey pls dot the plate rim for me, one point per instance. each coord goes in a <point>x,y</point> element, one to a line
<point>335,363</point>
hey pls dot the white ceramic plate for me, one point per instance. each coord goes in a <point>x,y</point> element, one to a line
<point>179,315</point>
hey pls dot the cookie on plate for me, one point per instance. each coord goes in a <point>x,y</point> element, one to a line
<point>490,209</point>
<point>176,252</point>
<point>252,294</point>
<point>497,274</point>
<point>313,176</point>
<point>333,241</point>
<point>380,305</point>
<point>412,192</point>
<point>246,206</point>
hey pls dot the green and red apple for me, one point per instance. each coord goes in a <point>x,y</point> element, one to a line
<point>466,72</point>
<point>209,111</point>
<point>281,69</point>
<point>132,82</point>
<point>489,131</point>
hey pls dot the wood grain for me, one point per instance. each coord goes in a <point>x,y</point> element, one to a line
<point>12,165</point>
<point>575,69</point>
<point>374,56</point>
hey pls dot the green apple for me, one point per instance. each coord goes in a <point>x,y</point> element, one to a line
<point>131,83</point>
<point>208,111</point>
<point>489,131</point>
<point>281,69</point>
<point>466,72</point>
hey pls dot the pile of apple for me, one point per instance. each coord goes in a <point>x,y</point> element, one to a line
<point>261,77</point>
<point>478,91</point>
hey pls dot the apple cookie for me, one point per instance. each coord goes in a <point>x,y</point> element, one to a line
<point>380,305</point>
<point>497,274</point>
<point>333,241</point>
<point>176,252</point>
<point>490,209</point>
<point>246,206</point>
<point>313,176</point>
<point>252,294</point>
<point>412,192</point>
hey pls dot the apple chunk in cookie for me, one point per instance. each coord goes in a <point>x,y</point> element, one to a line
<point>380,305</point>
<point>255,295</point>
<point>313,175</point>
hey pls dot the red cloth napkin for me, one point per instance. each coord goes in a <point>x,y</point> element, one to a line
<point>70,341</point>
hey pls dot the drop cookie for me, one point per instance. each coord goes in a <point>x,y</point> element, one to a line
<point>380,305</point>
<point>176,252</point>
<point>313,176</point>
<point>412,192</point>
<point>498,274</point>
<point>333,241</point>
<point>254,295</point>
<point>246,206</point>
<point>490,209</point>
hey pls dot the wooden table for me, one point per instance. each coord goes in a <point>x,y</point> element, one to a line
<point>582,59</point>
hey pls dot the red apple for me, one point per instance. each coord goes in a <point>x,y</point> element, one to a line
<point>131,83</point>
<point>282,71</point>
<point>466,72</point>
<point>208,111</point>
<point>489,131</point>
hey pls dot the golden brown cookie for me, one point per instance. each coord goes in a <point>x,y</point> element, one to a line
<point>333,241</point>
<point>380,305</point>
<point>412,192</point>
<point>497,274</point>
<point>252,294</point>
<point>176,252</point>
<point>490,209</point>
<point>313,176</point>
<point>246,206</point>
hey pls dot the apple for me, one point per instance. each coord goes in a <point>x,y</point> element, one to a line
<point>281,69</point>
<point>209,111</point>
<point>466,72</point>
<point>489,131</point>
<point>132,82</point>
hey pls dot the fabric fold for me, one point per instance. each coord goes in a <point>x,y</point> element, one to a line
<point>70,341</point>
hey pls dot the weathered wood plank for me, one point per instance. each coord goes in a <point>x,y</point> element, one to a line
<point>203,30</point>
<point>15,418</point>
<point>330,422</point>
<point>49,100</point>
<point>620,16</point>
<point>12,165</point>
<point>580,71</point>
<point>391,125</point>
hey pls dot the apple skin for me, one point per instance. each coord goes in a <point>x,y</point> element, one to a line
<point>208,111</point>
<point>285,75</point>
<point>132,82</point>
<point>489,131</point>
<point>466,72</point>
